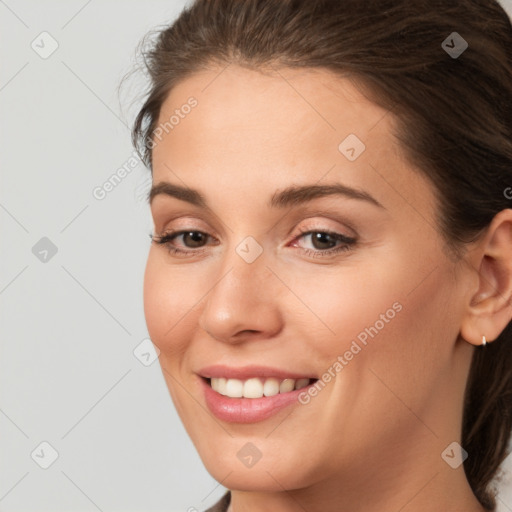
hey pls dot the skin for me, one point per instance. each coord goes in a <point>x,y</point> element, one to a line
<point>372,439</point>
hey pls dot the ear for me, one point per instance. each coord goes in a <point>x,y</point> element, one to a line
<point>489,309</point>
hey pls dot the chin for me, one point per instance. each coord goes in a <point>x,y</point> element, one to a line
<point>271,475</point>
<point>253,480</point>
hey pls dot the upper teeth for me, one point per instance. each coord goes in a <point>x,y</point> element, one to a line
<point>255,387</point>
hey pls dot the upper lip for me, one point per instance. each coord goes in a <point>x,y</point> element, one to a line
<point>246,372</point>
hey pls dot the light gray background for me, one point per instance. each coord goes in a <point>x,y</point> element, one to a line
<point>70,324</point>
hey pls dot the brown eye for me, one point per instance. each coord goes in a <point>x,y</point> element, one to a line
<point>324,243</point>
<point>195,238</point>
<point>190,240</point>
<point>322,240</point>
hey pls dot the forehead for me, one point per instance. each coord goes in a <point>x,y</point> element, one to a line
<point>283,125</point>
<point>282,116</point>
<point>280,101</point>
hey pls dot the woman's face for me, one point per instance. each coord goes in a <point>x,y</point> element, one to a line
<point>311,253</point>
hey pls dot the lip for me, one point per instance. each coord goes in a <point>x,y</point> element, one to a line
<point>248,410</point>
<point>246,372</point>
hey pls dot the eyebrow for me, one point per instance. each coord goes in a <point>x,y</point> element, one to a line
<point>290,196</point>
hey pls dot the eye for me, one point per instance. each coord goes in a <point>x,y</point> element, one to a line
<point>195,238</point>
<point>326,242</point>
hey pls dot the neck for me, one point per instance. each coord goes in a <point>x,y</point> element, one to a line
<point>427,499</point>
<point>426,484</point>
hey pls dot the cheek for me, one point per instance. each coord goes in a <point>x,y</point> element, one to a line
<point>169,299</point>
<point>388,323</point>
<point>392,317</point>
<point>355,302</point>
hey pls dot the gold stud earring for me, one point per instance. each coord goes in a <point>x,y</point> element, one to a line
<point>484,341</point>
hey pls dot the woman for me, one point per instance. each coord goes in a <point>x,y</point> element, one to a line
<point>330,278</point>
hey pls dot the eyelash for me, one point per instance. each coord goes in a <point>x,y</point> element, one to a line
<point>348,242</point>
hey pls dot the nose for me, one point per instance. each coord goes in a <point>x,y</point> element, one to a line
<point>244,301</point>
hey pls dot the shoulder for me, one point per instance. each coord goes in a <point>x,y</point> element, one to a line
<point>221,505</point>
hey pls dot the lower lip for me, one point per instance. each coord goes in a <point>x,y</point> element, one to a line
<point>248,410</point>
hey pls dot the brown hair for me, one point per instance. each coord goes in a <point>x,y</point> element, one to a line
<point>454,118</point>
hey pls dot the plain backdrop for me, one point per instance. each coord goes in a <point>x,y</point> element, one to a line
<point>86,421</point>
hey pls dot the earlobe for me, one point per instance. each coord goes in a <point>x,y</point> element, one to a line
<point>489,309</point>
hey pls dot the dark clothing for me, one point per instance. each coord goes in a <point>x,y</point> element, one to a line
<point>221,505</point>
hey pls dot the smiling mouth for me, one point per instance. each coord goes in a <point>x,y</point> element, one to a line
<point>256,387</point>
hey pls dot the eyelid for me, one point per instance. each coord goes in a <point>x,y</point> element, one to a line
<point>185,223</point>
<point>343,228</point>
<point>326,211</point>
